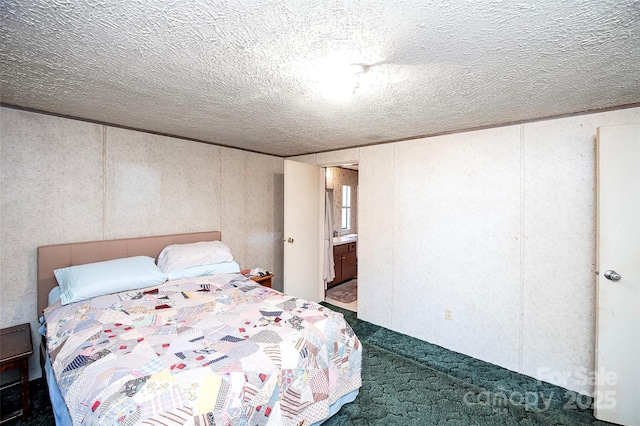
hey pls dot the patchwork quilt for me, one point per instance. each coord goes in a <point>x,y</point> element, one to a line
<point>214,350</point>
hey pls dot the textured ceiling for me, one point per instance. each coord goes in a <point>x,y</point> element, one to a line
<point>289,77</point>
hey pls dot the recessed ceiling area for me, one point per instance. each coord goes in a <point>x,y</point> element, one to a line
<point>292,77</point>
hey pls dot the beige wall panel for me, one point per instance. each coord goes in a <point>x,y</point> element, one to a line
<point>334,158</point>
<point>560,247</point>
<point>376,216</point>
<point>331,158</point>
<point>252,214</point>
<point>160,185</point>
<point>308,159</point>
<point>50,192</point>
<point>456,242</point>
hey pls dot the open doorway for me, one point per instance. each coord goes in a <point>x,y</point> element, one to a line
<point>342,195</point>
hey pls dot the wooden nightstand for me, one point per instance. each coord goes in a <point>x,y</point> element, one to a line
<point>265,281</point>
<point>15,349</point>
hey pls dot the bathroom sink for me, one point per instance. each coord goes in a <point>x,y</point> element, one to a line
<point>343,239</point>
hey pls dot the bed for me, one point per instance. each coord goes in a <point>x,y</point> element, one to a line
<point>201,350</point>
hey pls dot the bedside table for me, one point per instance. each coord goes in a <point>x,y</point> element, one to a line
<point>265,281</point>
<point>15,349</point>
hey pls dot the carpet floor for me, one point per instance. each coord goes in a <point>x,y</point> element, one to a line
<point>407,381</point>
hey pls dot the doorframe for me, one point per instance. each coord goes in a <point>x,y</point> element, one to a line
<point>324,167</point>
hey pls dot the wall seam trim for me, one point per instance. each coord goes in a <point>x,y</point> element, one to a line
<point>393,235</point>
<point>219,179</point>
<point>104,182</point>
<point>522,248</point>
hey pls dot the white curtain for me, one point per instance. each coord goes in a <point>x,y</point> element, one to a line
<point>329,267</point>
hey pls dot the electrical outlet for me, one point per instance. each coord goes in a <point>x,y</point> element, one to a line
<point>448,314</point>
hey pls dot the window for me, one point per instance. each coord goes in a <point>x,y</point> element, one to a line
<point>346,207</point>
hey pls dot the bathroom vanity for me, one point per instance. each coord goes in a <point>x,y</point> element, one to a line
<point>345,258</point>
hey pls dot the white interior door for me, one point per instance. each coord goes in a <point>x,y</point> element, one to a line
<point>303,230</point>
<point>617,391</point>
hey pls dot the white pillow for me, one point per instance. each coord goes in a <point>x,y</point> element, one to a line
<point>205,270</point>
<point>112,276</point>
<point>180,256</point>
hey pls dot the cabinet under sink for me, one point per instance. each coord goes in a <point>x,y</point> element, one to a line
<point>345,260</point>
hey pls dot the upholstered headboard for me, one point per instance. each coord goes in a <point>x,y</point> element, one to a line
<point>62,255</point>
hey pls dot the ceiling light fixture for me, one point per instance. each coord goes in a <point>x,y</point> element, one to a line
<point>340,81</point>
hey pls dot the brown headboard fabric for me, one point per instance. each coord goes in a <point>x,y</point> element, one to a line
<point>62,255</point>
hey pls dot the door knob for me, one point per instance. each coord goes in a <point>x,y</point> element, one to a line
<point>289,240</point>
<point>612,275</point>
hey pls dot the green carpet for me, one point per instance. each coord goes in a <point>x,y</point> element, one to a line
<point>407,381</point>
